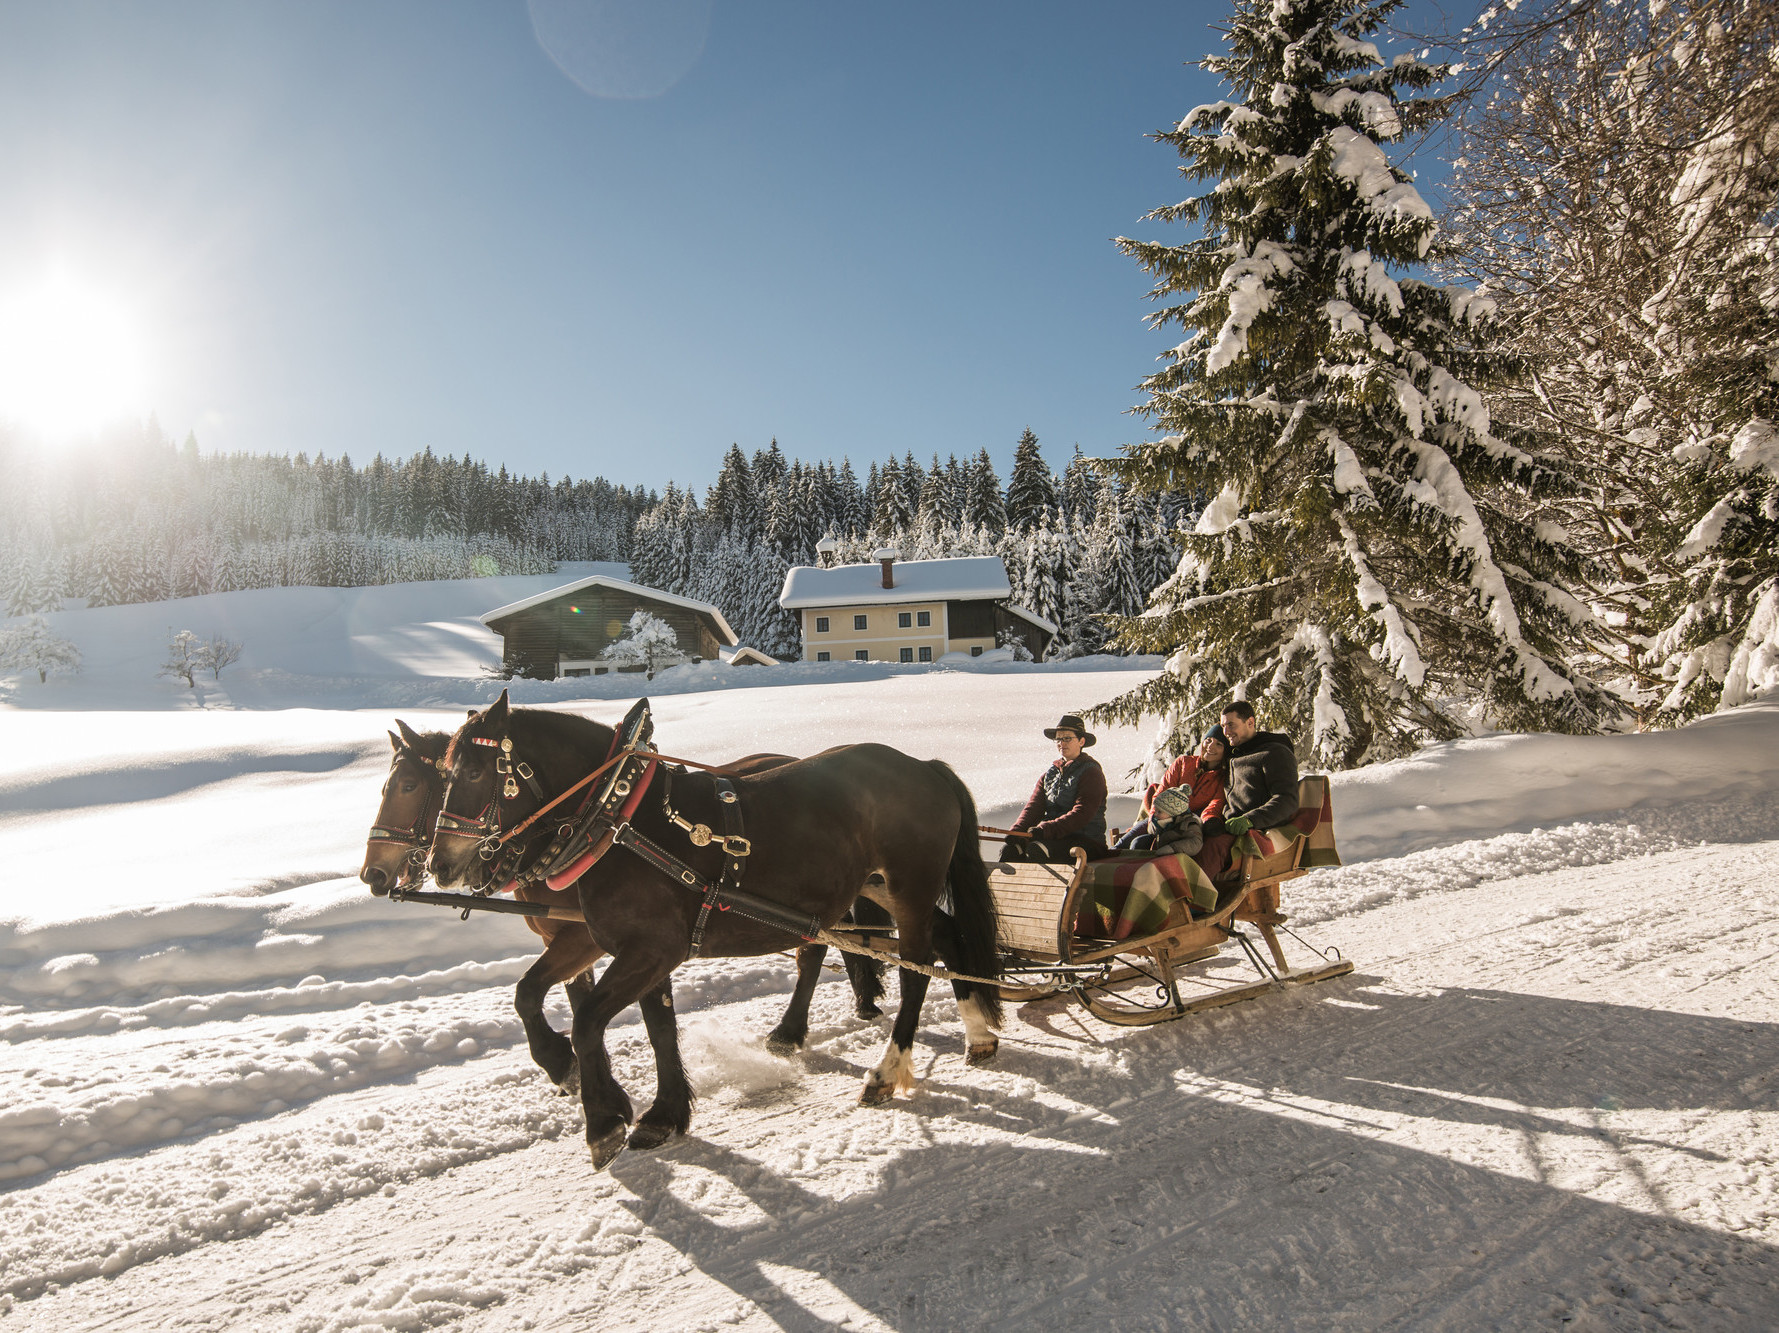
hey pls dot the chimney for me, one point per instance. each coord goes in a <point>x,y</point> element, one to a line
<point>824,550</point>
<point>887,557</point>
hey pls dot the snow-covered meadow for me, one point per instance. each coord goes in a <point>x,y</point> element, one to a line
<point>238,1091</point>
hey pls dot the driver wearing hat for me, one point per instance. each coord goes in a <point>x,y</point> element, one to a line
<point>1067,808</point>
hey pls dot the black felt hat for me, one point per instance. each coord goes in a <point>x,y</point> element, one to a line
<point>1070,722</point>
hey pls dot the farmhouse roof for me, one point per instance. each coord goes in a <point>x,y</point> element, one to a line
<point>1032,617</point>
<point>616,585</point>
<point>963,579</point>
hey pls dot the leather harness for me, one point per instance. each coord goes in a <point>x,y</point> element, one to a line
<point>602,822</point>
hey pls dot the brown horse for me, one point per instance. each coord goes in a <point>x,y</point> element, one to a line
<point>395,857</point>
<point>820,832</point>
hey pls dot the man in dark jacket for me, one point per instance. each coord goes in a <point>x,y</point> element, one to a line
<point>1067,808</point>
<point>1260,786</point>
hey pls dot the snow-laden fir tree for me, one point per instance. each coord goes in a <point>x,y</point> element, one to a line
<point>1372,550</point>
<point>1031,487</point>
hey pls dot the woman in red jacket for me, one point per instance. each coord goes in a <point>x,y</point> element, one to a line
<point>1199,775</point>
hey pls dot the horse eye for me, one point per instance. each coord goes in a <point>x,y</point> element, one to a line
<point>409,787</point>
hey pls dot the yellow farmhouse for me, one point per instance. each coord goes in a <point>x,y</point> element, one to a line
<point>896,610</point>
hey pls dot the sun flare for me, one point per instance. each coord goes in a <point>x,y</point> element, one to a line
<point>70,358</point>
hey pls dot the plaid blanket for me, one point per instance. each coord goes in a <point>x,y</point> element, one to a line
<point>1132,895</point>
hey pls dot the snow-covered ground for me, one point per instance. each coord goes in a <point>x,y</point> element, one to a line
<point>238,1092</point>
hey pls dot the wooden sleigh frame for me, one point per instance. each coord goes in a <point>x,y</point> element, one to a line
<point>1039,905</point>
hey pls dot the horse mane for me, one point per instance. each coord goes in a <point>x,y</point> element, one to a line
<point>526,725</point>
<point>433,746</point>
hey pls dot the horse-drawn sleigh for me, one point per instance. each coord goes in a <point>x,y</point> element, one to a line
<point>521,810</point>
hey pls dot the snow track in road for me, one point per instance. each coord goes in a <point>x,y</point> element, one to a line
<point>1547,1099</point>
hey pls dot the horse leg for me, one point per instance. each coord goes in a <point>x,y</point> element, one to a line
<point>568,954</point>
<point>788,1036</point>
<point>981,1040</point>
<point>672,1112</point>
<point>866,974</point>
<point>896,1069</point>
<point>607,1108</point>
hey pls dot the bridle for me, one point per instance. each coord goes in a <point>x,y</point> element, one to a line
<point>417,836</point>
<point>486,827</point>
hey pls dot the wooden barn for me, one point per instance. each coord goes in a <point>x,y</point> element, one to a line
<point>563,631</point>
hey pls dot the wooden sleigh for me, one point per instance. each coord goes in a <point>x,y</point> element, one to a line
<point>1180,966</point>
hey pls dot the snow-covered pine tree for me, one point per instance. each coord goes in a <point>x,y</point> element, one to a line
<point>1031,489</point>
<point>983,506</point>
<point>1079,489</point>
<point>850,514</point>
<point>892,512</point>
<point>734,501</point>
<point>1372,550</point>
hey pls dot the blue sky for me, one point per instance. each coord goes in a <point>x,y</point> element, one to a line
<point>359,227</point>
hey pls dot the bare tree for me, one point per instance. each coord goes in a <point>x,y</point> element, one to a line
<point>217,653</point>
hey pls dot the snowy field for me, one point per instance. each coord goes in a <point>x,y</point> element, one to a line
<point>236,1091</point>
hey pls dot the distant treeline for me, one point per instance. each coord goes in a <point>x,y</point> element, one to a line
<point>147,520</point>
<point>140,519</point>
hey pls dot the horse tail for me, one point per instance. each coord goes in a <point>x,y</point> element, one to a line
<point>972,901</point>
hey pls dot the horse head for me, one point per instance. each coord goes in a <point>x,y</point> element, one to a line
<point>413,794</point>
<point>502,766</point>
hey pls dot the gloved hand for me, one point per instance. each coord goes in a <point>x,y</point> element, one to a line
<point>1237,826</point>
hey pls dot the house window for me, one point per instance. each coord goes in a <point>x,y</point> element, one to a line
<point>821,624</point>
<point>858,622</point>
<point>926,654</point>
<point>904,619</point>
<point>576,671</point>
<point>822,657</point>
<point>907,654</point>
<point>861,654</point>
<point>924,619</point>
<point>976,651</point>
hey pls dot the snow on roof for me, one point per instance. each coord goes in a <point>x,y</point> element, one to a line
<point>616,585</point>
<point>963,579</point>
<point>747,656</point>
<point>1032,617</point>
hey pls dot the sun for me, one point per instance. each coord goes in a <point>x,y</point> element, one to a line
<point>70,357</point>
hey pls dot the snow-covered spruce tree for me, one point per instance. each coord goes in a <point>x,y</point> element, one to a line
<point>1372,550</point>
<point>1031,489</point>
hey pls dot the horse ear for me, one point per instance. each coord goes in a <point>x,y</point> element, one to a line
<point>497,711</point>
<point>409,735</point>
<point>395,742</point>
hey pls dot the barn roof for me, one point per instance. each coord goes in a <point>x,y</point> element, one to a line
<point>616,585</point>
<point>961,579</point>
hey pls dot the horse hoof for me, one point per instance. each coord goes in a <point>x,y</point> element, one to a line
<point>983,1053</point>
<point>608,1146</point>
<point>646,1136</point>
<point>868,1012</point>
<point>876,1094</point>
<point>569,1085</point>
<point>783,1046</point>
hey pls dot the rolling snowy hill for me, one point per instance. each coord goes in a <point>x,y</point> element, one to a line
<point>237,1091</point>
